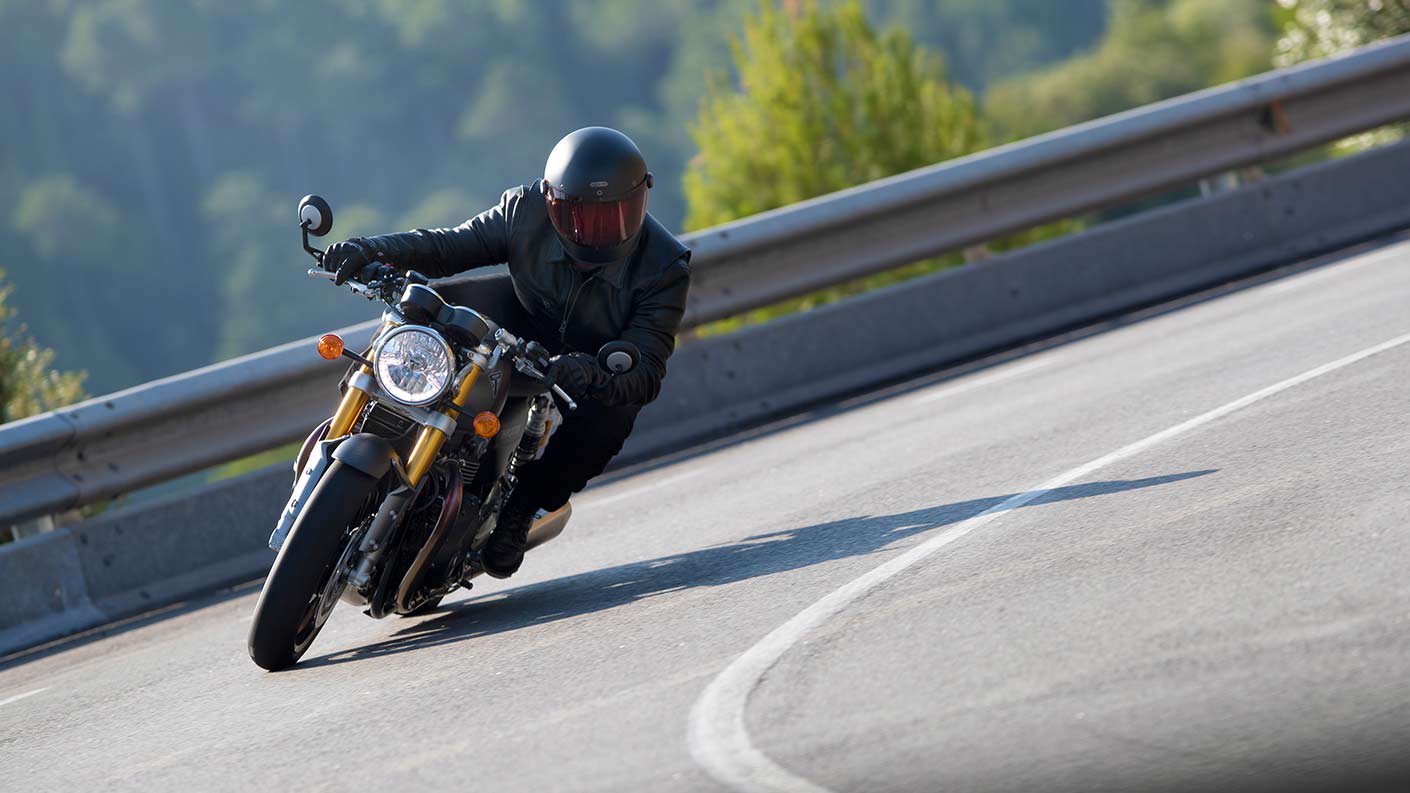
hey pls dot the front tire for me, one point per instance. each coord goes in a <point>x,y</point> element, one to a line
<point>294,605</point>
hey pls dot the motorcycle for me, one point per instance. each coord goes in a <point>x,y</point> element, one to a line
<point>397,492</point>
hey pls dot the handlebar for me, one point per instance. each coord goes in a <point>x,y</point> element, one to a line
<point>381,281</point>
<point>376,281</point>
<point>524,349</point>
<point>357,286</point>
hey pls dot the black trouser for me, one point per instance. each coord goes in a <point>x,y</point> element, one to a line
<point>590,436</point>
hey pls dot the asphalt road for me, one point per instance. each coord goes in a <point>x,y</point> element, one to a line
<point>1121,562</point>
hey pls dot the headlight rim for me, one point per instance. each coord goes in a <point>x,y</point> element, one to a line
<point>413,328</point>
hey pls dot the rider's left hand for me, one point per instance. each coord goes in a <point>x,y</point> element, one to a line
<point>347,259</point>
<point>577,373</point>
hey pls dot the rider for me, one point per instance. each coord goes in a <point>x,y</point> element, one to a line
<point>587,265</point>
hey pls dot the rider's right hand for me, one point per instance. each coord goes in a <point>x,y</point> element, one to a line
<point>347,259</point>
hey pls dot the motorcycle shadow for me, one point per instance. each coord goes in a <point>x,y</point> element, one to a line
<point>754,556</point>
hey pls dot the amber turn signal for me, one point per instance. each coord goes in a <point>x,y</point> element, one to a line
<point>487,425</point>
<point>330,346</point>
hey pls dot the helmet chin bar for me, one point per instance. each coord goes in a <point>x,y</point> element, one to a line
<point>586,258</point>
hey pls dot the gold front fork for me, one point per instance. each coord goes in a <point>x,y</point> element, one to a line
<point>348,410</point>
<point>354,400</point>
<point>429,442</point>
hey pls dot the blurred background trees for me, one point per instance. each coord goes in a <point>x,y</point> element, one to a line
<point>824,102</point>
<point>28,382</point>
<point>1319,28</point>
<point>1150,51</point>
<point>151,153</point>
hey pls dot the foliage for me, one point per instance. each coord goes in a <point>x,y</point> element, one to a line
<point>987,40</point>
<point>153,151</point>
<point>824,103</point>
<point>28,382</point>
<point>1153,50</point>
<point>1323,28</point>
<point>1319,28</point>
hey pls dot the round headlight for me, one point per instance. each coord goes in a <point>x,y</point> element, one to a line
<point>414,365</point>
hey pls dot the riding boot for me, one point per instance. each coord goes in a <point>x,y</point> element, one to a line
<point>504,550</point>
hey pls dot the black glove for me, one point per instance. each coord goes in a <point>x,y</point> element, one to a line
<point>347,259</point>
<point>577,373</point>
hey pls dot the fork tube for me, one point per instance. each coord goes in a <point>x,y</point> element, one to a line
<point>428,445</point>
<point>348,410</point>
<point>462,395</point>
<point>429,442</point>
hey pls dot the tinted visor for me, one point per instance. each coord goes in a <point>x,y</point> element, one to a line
<point>597,224</point>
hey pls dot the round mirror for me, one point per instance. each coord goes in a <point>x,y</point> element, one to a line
<point>618,357</point>
<point>315,215</point>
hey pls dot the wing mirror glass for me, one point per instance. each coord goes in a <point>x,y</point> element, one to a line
<point>618,357</point>
<point>315,215</point>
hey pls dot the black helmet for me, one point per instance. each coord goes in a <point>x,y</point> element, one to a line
<point>595,183</point>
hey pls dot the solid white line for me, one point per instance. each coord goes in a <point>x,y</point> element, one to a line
<point>593,501</point>
<point>969,385</point>
<point>718,738</point>
<point>18,697</point>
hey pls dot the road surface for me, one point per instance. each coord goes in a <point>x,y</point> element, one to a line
<point>1170,554</point>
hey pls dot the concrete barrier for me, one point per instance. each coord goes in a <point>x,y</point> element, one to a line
<point>144,557</point>
<point>722,384</point>
<point>136,559</point>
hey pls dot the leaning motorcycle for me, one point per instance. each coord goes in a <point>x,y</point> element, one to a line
<point>397,492</point>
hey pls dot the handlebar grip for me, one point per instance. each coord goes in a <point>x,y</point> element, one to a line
<point>375,271</point>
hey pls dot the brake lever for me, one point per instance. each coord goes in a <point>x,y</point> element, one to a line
<point>530,370</point>
<point>362,289</point>
<point>563,395</point>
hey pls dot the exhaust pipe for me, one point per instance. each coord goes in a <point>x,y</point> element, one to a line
<point>544,529</point>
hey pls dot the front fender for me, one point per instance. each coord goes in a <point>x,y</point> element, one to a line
<point>367,453</point>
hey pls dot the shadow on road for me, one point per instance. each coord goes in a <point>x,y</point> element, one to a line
<point>758,555</point>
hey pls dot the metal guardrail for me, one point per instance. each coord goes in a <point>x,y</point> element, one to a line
<point>180,424</point>
<point>911,216</point>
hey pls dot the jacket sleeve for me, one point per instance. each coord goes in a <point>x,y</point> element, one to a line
<point>655,320</point>
<point>480,241</point>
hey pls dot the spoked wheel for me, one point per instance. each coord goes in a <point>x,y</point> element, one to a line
<point>308,576</point>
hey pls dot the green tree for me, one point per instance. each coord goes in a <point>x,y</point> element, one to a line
<point>151,151</point>
<point>1153,50</point>
<point>1319,28</point>
<point>822,102</point>
<point>1322,28</point>
<point>987,40</point>
<point>28,382</point>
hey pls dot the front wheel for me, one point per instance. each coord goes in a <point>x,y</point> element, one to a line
<point>298,595</point>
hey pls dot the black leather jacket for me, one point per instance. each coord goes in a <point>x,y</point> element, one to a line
<point>639,299</point>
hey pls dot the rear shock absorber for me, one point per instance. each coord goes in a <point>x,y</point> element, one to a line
<point>535,425</point>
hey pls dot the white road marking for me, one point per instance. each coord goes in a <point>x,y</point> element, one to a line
<point>590,500</point>
<point>18,697</point>
<point>970,385</point>
<point>718,738</point>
